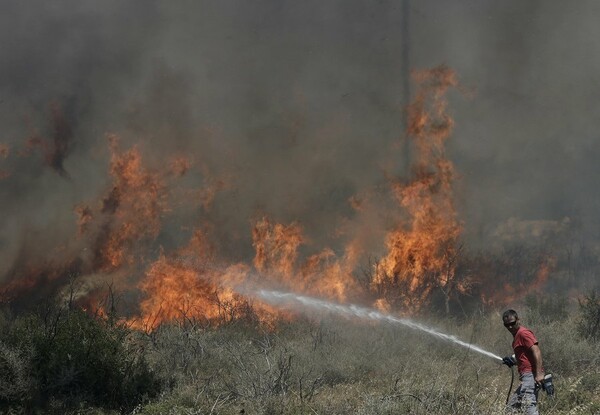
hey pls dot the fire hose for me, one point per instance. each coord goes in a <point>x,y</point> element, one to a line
<point>512,381</point>
<point>353,310</point>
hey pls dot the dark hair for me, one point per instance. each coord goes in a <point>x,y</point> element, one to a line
<point>510,313</point>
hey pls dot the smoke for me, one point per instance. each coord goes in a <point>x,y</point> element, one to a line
<point>292,110</point>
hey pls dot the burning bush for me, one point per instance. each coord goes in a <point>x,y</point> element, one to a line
<point>423,249</point>
<point>134,234</point>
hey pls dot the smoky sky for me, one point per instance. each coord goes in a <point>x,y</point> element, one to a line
<point>296,107</point>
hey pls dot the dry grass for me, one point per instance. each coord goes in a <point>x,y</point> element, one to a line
<point>335,366</point>
<point>329,365</point>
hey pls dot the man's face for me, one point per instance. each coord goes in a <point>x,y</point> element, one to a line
<point>512,324</point>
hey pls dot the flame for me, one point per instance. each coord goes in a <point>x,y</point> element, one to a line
<point>178,286</point>
<point>191,282</point>
<point>131,212</point>
<point>186,285</point>
<point>276,247</point>
<point>113,233</point>
<point>421,250</point>
<point>326,275</point>
<point>323,274</point>
<point>175,292</point>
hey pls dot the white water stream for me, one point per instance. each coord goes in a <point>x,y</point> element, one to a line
<point>279,298</point>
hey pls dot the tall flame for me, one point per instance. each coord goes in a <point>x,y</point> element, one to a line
<point>276,247</point>
<point>421,250</point>
<point>121,235</point>
<point>130,213</point>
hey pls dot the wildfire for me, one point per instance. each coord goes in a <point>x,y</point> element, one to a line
<point>422,249</point>
<point>120,233</point>
<point>129,214</point>
<point>276,247</point>
<point>321,274</point>
<point>175,291</point>
<point>326,275</point>
<point>188,285</point>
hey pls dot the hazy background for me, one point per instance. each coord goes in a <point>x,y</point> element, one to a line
<point>296,107</point>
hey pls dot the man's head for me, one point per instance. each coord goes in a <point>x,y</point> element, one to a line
<point>511,321</point>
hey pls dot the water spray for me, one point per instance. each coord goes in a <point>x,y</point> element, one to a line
<point>278,298</point>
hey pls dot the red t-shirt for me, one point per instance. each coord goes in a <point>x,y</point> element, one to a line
<point>522,343</point>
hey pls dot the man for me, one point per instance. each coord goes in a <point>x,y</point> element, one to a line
<point>528,358</point>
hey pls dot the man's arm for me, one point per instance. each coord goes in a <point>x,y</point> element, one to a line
<point>538,368</point>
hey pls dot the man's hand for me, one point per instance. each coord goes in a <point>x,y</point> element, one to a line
<point>509,361</point>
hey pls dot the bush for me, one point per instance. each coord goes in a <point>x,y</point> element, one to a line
<point>304,366</point>
<point>64,358</point>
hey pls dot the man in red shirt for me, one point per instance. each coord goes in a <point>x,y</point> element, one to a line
<point>528,358</point>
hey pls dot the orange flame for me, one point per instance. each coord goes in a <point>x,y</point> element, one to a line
<point>187,285</point>
<point>422,249</point>
<point>190,282</point>
<point>276,248</point>
<point>131,212</point>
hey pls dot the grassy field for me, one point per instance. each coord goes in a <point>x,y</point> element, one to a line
<point>343,367</point>
<point>311,365</point>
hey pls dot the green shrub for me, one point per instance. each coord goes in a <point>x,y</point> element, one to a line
<point>63,358</point>
<point>328,366</point>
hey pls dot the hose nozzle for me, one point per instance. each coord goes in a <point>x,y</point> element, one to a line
<point>509,361</point>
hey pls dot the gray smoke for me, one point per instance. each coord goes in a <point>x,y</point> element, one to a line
<point>297,107</point>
